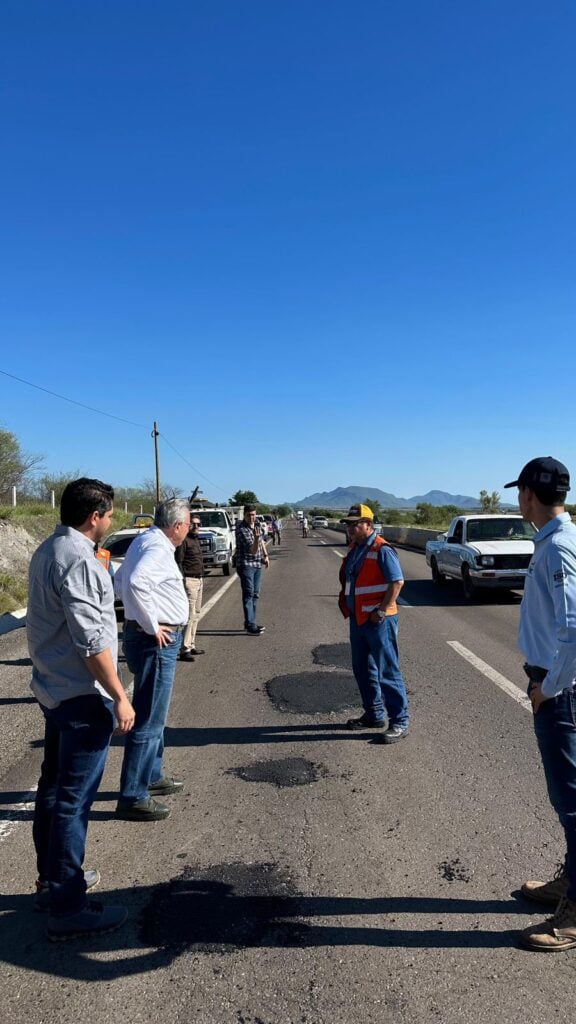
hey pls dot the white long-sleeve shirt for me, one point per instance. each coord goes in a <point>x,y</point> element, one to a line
<point>547,634</point>
<point>149,582</point>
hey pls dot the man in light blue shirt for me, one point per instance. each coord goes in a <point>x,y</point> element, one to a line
<point>547,638</point>
<point>72,638</point>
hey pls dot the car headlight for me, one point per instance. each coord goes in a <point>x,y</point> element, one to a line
<point>487,560</point>
<point>221,544</point>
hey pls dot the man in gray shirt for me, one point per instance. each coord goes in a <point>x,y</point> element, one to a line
<point>72,638</point>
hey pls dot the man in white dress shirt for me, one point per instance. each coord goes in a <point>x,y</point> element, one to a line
<point>150,586</point>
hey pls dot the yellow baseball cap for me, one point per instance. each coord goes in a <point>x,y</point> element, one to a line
<point>358,512</point>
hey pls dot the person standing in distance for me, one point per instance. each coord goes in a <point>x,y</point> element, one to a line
<point>251,555</point>
<point>73,644</point>
<point>189,560</point>
<point>547,639</point>
<point>371,580</point>
<point>276,530</point>
<point>150,585</point>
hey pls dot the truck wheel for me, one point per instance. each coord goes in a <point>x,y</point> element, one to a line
<point>468,584</point>
<point>227,568</point>
<point>438,577</point>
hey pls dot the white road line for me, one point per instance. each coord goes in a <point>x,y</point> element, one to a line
<point>13,816</point>
<point>340,554</point>
<point>510,688</point>
<point>216,597</point>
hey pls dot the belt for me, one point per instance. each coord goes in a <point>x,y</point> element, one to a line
<point>166,625</point>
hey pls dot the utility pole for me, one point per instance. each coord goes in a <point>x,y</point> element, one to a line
<point>155,434</point>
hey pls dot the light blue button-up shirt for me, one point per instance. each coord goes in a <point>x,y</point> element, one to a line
<point>70,616</point>
<point>547,634</point>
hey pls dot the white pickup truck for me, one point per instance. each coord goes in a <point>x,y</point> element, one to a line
<point>217,537</point>
<point>482,551</point>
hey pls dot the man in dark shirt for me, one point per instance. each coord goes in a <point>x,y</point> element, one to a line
<point>189,559</point>
<point>251,555</point>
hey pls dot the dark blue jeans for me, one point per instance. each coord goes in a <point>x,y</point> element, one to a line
<point>250,576</point>
<point>153,668</point>
<point>555,728</point>
<point>76,740</point>
<point>377,670</point>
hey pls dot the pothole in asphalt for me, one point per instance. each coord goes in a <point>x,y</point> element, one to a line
<point>223,908</point>
<point>289,771</point>
<point>313,693</point>
<point>333,654</point>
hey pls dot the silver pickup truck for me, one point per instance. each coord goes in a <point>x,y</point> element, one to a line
<point>482,551</point>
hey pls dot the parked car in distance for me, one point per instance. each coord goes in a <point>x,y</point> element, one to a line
<point>320,521</point>
<point>482,551</point>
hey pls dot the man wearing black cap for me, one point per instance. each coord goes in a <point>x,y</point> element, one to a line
<point>547,638</point>
<point>371,580</point>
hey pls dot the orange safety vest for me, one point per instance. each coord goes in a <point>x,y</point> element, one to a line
<point>103,555</point>
<point>370,585</point>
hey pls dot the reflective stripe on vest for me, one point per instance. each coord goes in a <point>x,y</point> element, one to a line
<point>370,580</point>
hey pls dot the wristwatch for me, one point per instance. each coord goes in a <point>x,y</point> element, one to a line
<point>381,615</point>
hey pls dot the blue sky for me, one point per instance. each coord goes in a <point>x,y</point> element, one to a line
<point>321,243</point>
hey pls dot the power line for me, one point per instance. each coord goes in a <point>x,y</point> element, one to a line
<point>196,470</point>
<point>73,401</point>
<point>109,415</point>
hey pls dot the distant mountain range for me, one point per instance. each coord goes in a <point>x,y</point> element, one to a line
<point>343,497</point>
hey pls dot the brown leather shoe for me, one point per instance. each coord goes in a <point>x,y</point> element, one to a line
<point>549,893</point>
<point>554,935</point>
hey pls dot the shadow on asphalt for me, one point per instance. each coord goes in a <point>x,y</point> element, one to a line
<point>210,916</point>
<point>425,594</point>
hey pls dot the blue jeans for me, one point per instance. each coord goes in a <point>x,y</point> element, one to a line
<point>377,670</point>
<point>555,728</point>
<point>250,576</point>
<point>153,668</point>
<point>76,740</point>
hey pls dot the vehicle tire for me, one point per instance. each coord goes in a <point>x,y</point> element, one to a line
<point>438,577</point>
<point>468,585</point>
<point>227,568</point>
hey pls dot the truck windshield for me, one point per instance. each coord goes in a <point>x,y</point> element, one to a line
<point>499,529</point>
<point>212,519</point>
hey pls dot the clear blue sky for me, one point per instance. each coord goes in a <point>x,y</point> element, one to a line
<point>322,243</point>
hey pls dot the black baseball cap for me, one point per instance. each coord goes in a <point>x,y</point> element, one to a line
<point>544,474</point>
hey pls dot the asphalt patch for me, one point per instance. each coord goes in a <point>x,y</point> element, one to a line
<point>223,908</point>
<point>454,871</point>
<point>289,771</point>
<point>337,655</point>
<point>314,693</point>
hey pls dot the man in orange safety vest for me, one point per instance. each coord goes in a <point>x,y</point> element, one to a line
<point>371,580</point>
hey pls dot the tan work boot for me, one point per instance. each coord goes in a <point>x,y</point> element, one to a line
<point>550,893</point>
<point>554,935</point>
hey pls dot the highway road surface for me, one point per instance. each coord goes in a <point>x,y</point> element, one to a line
<point>308,875</point>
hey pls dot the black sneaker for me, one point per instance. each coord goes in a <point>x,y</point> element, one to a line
<point>194,651</point>
<point>186,656</point>
<point>164,786</point>
<point>365,722</point>
<point>94,919</point>
<point>42,897</point>
<point>142,810</point>
<point>254,630</point>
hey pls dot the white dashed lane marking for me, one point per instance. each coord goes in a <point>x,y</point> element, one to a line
<point>495,677</point>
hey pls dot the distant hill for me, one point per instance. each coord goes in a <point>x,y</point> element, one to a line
<point>343,497</point>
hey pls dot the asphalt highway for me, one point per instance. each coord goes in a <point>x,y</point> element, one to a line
<point>308,875</point>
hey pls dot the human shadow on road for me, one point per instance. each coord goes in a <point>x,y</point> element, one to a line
<point>310,732</point>
<point>210,917</point>
<point>17,662</point>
